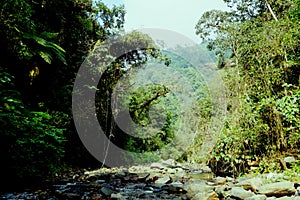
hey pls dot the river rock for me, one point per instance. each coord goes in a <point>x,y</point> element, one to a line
<point>288,198</point>
<point>163,180</point>
<point>157,165</point>
<point>197,187</point>
<point>240,193</point>
<point>220,180</point>
<point>221,190</point>
<point>206,196</point>
<point>169,163</point>
<point>274,176</point>
<point>106,191</point>
<point>117,196</point>
<point>279,189</point>
<point>257,197</point>
<point>251,184</point>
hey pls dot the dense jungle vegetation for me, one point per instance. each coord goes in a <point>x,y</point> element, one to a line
<point>43,44</point>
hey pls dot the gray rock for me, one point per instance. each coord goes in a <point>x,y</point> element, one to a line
<point>163,180</point>
<point>220,180</point>
<point>197,187</point>
<point>157,165</point>
<point>240,193</point>
<point>169,162</point>
<point>289,159</point>
<point>201,176</point>
<point>206,196</point>
<point>222,191</point>
<point>251,184</point>
<point>171,171</point>
<point>297,191</point>
<point>206,169</point>
<point>106,191</point>
<point>279,189</point>
<point>257,197</point>
<point>274,176</point>
<point>288,198</point>
<point>118,196</point>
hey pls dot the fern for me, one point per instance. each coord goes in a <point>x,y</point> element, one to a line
<point>49,49</point>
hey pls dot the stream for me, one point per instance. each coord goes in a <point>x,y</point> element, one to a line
<point>163,180</point>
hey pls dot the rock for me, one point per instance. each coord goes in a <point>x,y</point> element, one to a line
<point>117,196</point>
<point>274,176</point>
<point>222,190</point>
<point>174,188</point>
<point>169,163</point>
<point>164,180</point>
<point>206,196</point>
<point>251,184</point>
<point>288,198</point>
<point>289,159</point>
<point>257,197</point>
<point>201,176</point>
<point>279,189</point>
<point>139,169</point>
<point>152,177</point>
<point>171,171</point>
<point>195,188</point>
<point>106,191</point>
<point>70,196</point>
<point>240,193</point>
<point>206,169</point>
<point>220,180</point>
<point>297,191</point>
<point>179,177</point>
<point>230,179</point>
<point>157,165</point>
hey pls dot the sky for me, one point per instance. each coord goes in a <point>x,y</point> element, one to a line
<point>176,15</point>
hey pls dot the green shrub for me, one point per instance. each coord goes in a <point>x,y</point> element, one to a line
<point>34,142</point>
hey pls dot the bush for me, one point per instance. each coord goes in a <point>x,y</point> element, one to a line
<point>32,144</point>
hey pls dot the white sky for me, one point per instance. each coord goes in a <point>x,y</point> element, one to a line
<point>176,15</point>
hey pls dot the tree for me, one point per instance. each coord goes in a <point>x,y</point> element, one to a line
<point>42,47</point>
<point>262,41</point>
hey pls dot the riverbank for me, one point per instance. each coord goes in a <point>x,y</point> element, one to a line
<point>164,180</point>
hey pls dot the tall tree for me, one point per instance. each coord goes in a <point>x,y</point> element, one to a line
<point>261,39</point>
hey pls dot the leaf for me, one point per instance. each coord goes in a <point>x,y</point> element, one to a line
<point>49,46</point>
<point>46,56</point>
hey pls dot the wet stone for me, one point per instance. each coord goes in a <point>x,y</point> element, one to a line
<point>165,180</point>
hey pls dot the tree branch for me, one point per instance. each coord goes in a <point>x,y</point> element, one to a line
<point>270,9</point>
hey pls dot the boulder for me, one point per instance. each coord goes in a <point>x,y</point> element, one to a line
<point>197,187</point>
<point>206,196</point>
<point>163,180</point>
<point>251,184</point>
<point>240,193</point>
<point>278,189</point>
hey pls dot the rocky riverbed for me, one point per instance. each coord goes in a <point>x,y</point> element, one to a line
<point>164,180</point>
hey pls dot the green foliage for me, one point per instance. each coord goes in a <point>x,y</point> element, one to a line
<point>36,142</point>
<point>43,44</point>
<point>139,107</point>
<point>263,83</point>
<point>142,100</point>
